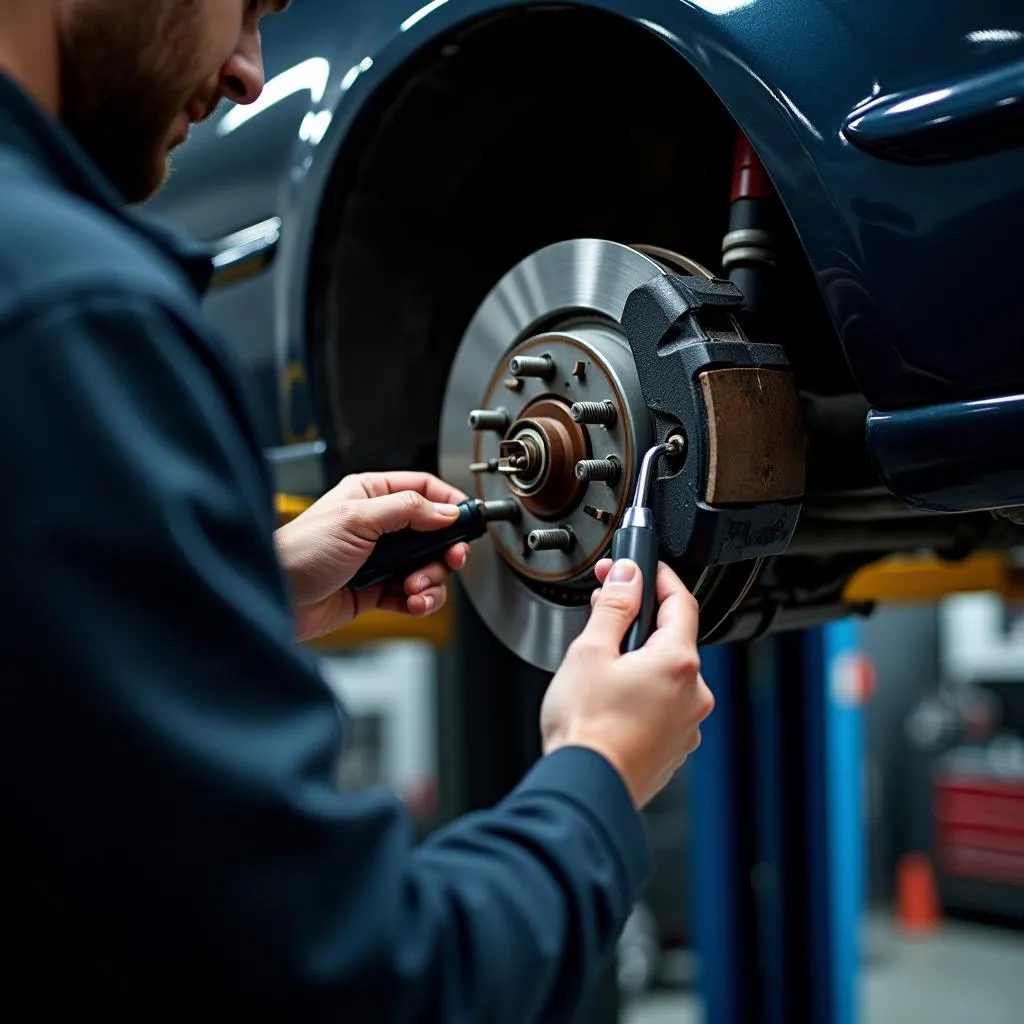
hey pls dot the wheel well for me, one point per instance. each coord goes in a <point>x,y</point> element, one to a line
<point>524,128</point>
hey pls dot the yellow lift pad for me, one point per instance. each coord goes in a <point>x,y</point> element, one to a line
<point>896,580</point>
<point>904,580</point>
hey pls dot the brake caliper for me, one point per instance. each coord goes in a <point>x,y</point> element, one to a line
<point>736,493</point>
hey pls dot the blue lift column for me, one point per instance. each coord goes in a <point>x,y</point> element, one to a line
<point>778,845</point>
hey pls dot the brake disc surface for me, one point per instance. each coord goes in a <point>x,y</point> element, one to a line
<point>563,302</point>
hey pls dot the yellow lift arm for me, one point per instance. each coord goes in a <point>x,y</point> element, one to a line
<point>897,580</point>
<point>903,580</point>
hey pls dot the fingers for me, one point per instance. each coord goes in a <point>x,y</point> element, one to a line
<point>667,585</point>
<point>428,602</point>
<point>377,485</point>
<point>695,741</point>
<point>436,574</point>
<point>457,557</point>
<point>678,613</point>
<point>393,512</point>
<point>614,608</point>
<point>424,579</point>
<point>706,698</point>
<point>601,571</point>
<point>423,593</point>
<point>419,605</point>
<point>426,590</point>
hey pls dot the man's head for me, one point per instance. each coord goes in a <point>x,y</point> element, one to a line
<point>136,73</point>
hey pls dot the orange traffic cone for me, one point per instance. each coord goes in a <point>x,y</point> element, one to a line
<point>917,898</point>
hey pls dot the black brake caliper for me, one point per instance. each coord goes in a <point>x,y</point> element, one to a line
<point>736,493</point>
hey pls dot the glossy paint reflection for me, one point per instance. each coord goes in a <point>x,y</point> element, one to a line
<point>972,116</point>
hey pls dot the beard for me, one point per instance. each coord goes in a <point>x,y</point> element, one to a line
<point>128,71</point>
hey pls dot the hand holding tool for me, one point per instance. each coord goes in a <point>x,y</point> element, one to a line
<point>637,540</point>
<point>399,555</point>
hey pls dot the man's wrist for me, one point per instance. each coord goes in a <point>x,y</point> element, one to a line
<point>608,751</point>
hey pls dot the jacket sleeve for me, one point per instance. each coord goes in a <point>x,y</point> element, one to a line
<point>167,749</point>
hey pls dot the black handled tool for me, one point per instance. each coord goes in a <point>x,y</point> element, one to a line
<point>637,540</point>
<point>398,555</point>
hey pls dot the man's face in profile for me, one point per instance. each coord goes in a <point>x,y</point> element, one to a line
<point>135,74</point>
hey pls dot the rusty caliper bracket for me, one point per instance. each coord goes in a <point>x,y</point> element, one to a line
<point>736,495</point>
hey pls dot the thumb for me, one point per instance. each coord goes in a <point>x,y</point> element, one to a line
<point>618,604</point>
<point>393,512</point>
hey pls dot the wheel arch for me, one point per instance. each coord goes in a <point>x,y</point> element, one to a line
<point>725,58</point>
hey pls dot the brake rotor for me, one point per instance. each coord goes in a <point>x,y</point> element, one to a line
<point>543,403</point>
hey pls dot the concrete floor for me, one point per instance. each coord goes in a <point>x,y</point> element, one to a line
<point>964,974</point>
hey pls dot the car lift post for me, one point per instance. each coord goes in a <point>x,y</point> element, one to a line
<point>777,861</point>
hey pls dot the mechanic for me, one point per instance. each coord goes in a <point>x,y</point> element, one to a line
<point>173,844</point>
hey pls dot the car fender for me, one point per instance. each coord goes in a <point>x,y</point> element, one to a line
<point>750,79</point>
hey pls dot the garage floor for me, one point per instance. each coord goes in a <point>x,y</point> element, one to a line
<point>965,972</point>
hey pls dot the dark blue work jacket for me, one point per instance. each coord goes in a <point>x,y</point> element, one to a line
<point>173,847</point>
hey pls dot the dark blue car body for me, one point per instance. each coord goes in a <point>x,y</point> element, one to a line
<point>892,133</point>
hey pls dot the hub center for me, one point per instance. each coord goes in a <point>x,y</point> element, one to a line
<point>523,458</point>
<point>539,455</point>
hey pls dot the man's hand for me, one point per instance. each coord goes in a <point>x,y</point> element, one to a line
<point>642,711</point>
<point>324,547</point>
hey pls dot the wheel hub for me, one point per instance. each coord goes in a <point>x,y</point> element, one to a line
<point>539,456</point>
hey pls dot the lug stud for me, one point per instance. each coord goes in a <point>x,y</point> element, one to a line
<point>533,366</point>
<point>551,540</point>
<point>604,470</point>
<point>602,414</point>
<point>489,419</point>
